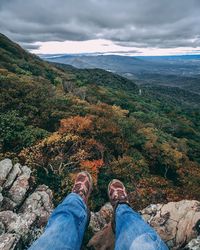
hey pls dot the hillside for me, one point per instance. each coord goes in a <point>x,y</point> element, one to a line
<point>58,119</point>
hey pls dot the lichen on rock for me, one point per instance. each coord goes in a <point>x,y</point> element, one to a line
<point>23,214</point>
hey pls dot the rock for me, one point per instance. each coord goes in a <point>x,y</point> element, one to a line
<point>9,241</point>
<point>17,223</point>
<point>5,167</point>
<point>194,244</point>
<point>2,228</point>
<point>39,204</point>
<point>8,219</point>
<point>20,228</point>
<point>149,212</point>
<point>176,223</point>
<point>101,226</point>
<point>1,199</point>
<point>100,219</point>
<point>19,188</point>
<point>7,204</point>
<point>15,172</point>
<point>34,213</point>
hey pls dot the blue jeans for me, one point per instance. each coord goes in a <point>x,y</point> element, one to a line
<point>133,233</point>
<point>66,226</point>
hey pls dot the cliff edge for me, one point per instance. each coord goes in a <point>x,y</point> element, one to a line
<point>24,211</point>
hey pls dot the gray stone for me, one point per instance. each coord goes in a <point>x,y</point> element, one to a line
<point>194,244</point>
<point>14,173</point>
<point>8,219</point>
<point>101,218</point>
<point>1,199</point>
<point>9,241</point>
<point>2,228</point>
<point>7,204</point>
<point>5,167</point>
<point>19,188</point>
<point>33,210</point>
<point>39,204</point>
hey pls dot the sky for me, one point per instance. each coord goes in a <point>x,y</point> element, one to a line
<point>127,27</point>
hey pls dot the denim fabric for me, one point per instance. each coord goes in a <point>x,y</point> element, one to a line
<point>133,233</point>
<point>66,226</point>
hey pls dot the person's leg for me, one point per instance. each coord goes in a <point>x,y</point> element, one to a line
<point>131,231</point>
<point>66,225</point>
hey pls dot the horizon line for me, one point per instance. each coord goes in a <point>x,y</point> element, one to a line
<point>113,54</point>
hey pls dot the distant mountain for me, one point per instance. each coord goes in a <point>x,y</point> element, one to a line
<point>108,62</point>
<point>179,71</point>
<point>176,65</point>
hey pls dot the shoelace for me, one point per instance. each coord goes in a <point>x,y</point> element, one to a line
<point>79,188</point>
<point>119,194</point>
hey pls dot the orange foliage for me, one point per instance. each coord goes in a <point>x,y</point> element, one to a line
<point>106,110</point>
<point>76,124</point>
<point>92,167</point>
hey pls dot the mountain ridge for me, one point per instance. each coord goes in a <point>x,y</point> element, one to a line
<point>156,70</point>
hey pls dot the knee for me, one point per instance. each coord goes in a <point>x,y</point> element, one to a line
<point>148,241</point>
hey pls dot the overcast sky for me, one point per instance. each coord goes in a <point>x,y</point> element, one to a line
<point>131,27</point>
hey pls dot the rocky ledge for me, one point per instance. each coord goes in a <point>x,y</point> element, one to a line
<point>24,211</point>
<point>177,223</point>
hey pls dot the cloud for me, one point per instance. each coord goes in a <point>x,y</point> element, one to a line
<point>30,46</point>
<point>130,23</point>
